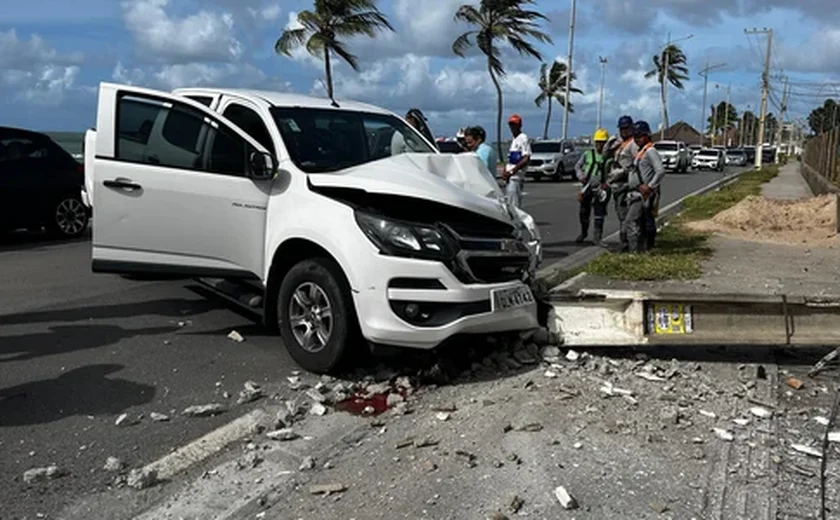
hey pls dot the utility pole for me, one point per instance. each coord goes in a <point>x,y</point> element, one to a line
<point>714,123</point>
<point>705,73</point>
<point>742,130</point>
<point>601,96</point>
<point>765,86</point>
<point>781,123</point>
<point>726,118</point>
<point>569,70</point>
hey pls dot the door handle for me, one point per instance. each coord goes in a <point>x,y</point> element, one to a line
<point>123,184</point>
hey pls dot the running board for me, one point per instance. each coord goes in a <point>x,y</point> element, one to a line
<point>241,293</point>
<point>623,318</point>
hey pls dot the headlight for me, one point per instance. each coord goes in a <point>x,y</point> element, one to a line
<point>399,238</point>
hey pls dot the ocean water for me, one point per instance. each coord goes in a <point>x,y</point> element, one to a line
<point>70,141</point>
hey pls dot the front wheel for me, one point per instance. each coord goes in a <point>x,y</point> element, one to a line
<point>69,217</point>
<point>315,315</point>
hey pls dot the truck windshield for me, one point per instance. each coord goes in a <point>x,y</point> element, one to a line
<point>708,153</point>
<point>667,147</point>
<point>328,140</point>
<point>545,148</point>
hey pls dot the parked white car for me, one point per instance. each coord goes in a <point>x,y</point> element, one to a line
<point>304,197</point>
<point>709,159</point>
<point>675,156</point>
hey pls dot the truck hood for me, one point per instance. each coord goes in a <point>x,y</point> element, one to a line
<point>544,156</point>
<point>458,180</point>
<point>669,153</point>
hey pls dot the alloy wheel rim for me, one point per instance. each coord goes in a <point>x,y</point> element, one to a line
<point>70,216</point>
<point>310,317</point>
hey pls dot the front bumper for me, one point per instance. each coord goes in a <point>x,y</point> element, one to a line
<point>704,165</point>
<point>544,169</point>
<point>86,199</point>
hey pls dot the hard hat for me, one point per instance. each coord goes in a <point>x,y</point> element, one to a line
<point>625,122</point>
<point>600,135</point>
<point>641,128</point>
<point>460,134</point>
<point>515,119</point>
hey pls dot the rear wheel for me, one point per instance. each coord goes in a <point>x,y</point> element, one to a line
<point>315,315</point>
<point>69,217</point>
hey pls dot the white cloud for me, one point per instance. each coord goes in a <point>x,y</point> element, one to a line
<point>33,72</point>
<point>203,36</point>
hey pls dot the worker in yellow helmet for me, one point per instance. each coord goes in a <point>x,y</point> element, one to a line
<point>591,170</point>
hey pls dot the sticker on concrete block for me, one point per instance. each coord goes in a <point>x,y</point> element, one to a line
<point>670,318</point>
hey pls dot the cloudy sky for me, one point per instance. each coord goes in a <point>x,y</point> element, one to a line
<point>53,54</point>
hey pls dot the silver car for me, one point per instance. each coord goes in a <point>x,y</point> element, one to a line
<point>553,159</point>
<point>736,157</point>
<point>674,154</point>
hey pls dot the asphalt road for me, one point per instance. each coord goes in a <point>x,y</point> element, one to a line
<point>78,349</point>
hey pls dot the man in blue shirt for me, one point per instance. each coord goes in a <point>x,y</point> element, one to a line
<point>474,138</point>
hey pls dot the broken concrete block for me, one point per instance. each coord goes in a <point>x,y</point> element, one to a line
<point>724,434</point>
<point>307,464</point>
<point>794,383</point>
<point>142,478</point>
<point>516,504</point>
<point>250,393</point>
<point>834,436</point>
<point>249,461</point>
<point>443,416</point>
<point>393,400</point>
<point>550,353</point>
<point>285,434</point>
<point>670,415</point>
<point>761,412</point>
<point>650,377</point>
<point>236,337</point>
<point>113,464</point>
<point>316,396</point>
<point>34,475</point>
<point>566,500</point>
<point>550,374</point>
<point>741,421</point>
<point>572,355</point>
<point>710,415</point>
<point>125,420</point>
<point>204,410</point>
<point>158,417</point>
<point>807,450</point>
<point>317,409</point>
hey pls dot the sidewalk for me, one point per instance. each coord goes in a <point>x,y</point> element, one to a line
<point>749,266</point>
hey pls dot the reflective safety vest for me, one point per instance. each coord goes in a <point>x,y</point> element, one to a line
<point>594,163</point>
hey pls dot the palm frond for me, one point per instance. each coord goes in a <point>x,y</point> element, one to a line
<point>469,14</point>
<point>315,45</point>
<point>367,23</point>
<point>524,47</point>
<point>344,53</point>
<point>540,99</point>
<point>462,43</point>
<point>290,39</point>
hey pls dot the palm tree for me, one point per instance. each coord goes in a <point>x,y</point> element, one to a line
<point>494,22</point>
<point>322,28</point>
<point>677,73</point>
<point>552,86</point>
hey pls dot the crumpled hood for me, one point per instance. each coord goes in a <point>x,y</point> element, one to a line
<point>458,180</point>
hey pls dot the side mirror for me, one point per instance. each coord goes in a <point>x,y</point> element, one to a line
<point>262,166</point>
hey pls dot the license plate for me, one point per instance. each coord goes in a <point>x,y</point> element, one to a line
<point>670,318</point>
<point>505,299</point>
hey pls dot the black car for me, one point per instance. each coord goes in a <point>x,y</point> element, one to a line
<point>750,152</point>
<point>768,154</point>
<point>40,185</point>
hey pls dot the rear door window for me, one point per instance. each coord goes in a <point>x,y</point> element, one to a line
<point>251,122</point>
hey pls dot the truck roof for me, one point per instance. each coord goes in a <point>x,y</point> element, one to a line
<point>284,99</point>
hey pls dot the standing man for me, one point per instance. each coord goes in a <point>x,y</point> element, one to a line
<point>622,151</point>
<point>475,140</point>
<point>518,159</point>
<point>591,170</point>
<point>643,197</point>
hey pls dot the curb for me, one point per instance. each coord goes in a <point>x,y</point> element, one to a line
<point>587,254</point>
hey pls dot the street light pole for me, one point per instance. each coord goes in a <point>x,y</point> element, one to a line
<point>569,70</point>
<point>601,95</point>
<point>704,127</point>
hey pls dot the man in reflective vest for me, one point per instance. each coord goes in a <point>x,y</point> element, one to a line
<point>643,198</point>
<point>622,149</point>
<point>591,170</point>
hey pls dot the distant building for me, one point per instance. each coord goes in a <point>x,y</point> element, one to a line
<point>681,131</point>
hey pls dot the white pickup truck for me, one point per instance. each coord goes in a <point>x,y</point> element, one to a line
<point>303,197</point>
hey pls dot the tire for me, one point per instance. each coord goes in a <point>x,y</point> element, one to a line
<point>68,218</point>
<point>318,284</point>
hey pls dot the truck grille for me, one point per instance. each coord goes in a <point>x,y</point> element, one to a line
<point>490,259</point>
<point>535,162</point>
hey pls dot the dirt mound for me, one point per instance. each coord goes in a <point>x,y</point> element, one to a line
<point>811,221</point>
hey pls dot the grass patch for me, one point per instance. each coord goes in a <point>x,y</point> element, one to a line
<point>679,251</point>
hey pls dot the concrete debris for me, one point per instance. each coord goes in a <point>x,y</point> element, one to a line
<point>249,461</point>
<point>724,434</point>
<point>34,475</point>
<point>404,444</point>
<point>794,383</point>
<point>572,355</point>
<point>316,395</point>
<point>403,382</point>
<point>566,500</point>
<point>307,464</point>
<point>142,478</point>
<point>113,464</point>
<point>327,489</point>
<point>834,436</point>
<point>550,354</point>
<point>650,377</point>
<point>610,390</point>
<point>125,420</point>
<point>823,421</point>
<point>235,336</point>
<point>204,410</point>
<point>498,515</point>
<point>283,418</point>
<point>741,421</point>
<point>807,450</point>
<point>471,458</point>
<point>531,428</point>
<point>285,434</point>
<point>516,504</point>
<point>393,400</point>
<point>250,393</point>
<point>443,416</point>
<point>710,415</point>
<point>425,443</point>
<point>550,374</point>
<point>158,417</point>
<point>670,415</point>
<point>761,412</point>
<point>317,409</point>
